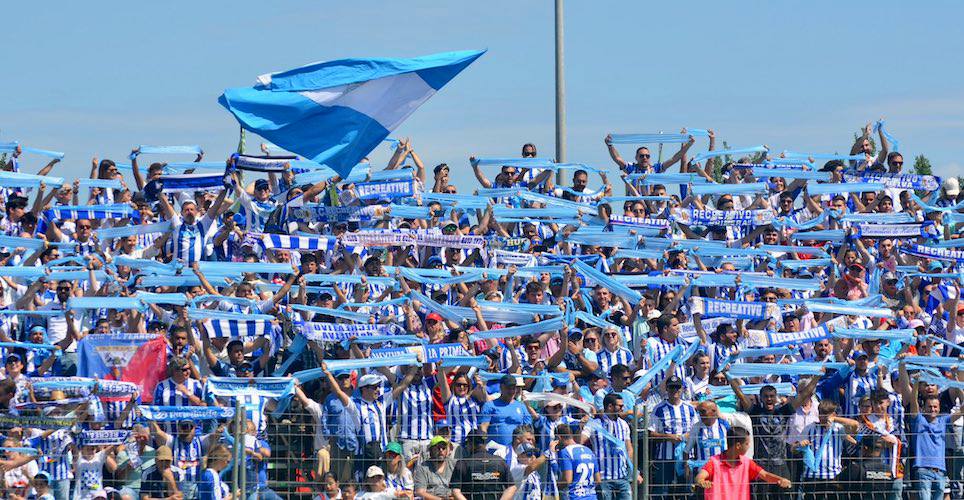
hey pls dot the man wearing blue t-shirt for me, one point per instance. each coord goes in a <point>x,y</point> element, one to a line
<point>578,467</point>
<point>501,416</point>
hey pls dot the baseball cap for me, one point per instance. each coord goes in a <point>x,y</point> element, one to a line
<point>433,260</point>
<point>14,357</point>
<point>394,447</point>
<point>374,471</point>
<point>38,328</point>
<point>437,440</point>
<point>915,323</point>
<point>512,380</point>
<point>246,366</point>
<point>935,266</point>
<point>889,276</point>
<point>674,381</point>
<point>857,355</point>
<point>261,184</point>
<point>369,379</point>
<point>42,475</point>
<point>951,186</point>
<point>433,317</point>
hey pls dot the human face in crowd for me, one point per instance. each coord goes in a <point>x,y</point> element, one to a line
<point>461,386</point>
<point>579,181</point>
<point>822,348</point>
<point>591,341</point>
<point>603,297</point>
<point>839,204</point>
<point>643,158</point>
<point>508,392</point>
<point>189,212</point>
<point>63,291</point>
<point>639,210</point>
<point>533,351</point>
<point>886,205</point>
<point>13,367</point>
<point>611,339</point>
<point>725,203</point>
<point>932,408</point>
<point>771,237</point>
<point>701,365</point>
<point>84,229</point>
<point>615,408</point>
<point>708,412</point>
<point>769,399</point>
<point>185,430</point>
<point>535,296</point>
<point>528,151</point>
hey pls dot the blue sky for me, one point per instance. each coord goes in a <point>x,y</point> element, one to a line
<point>99,78</point>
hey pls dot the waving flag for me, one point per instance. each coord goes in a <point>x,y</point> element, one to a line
<point>336,112</point>
<point>141,359</point>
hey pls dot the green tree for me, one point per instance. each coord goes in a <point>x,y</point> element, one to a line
<point>922,166</point>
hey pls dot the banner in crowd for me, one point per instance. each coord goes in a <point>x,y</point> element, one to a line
<point>392,238</point>
<point>898,181</point>
<point>336,332</point>
<point>324,213</point>
<point>231,328</point>
<point>712,308</point>
<point>300,242</point>
<point>507,258</point>
<point>103,437</point>
<point>892,230</point>
<point>140,358</point>
<point>37,421</point>
<point>796,338</point>
<point>430,353</point>
<point>385,189</point>
<point>178,413</point>
<point>939,253</point>
<point>696,217</point>
<point>269,387</point>
<point>624,220</point>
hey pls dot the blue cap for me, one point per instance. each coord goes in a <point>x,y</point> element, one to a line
<point>858,354</point>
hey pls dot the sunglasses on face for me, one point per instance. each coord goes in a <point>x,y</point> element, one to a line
<point>643,155</point>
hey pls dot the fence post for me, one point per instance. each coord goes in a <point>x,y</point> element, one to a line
<point>243,434</point>
<point>645,447</point>
<point>635,462</point>
<point>235,478</point>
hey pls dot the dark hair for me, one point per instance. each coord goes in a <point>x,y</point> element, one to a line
<point>579,172</point>
<point>826,407</point>
<point>534,287</point>
<point>767,388</point>
<point>308,258</point>
<point>611,399</point>
<point>618,370</point>
<point>235,343</point>
<point>735,436</point>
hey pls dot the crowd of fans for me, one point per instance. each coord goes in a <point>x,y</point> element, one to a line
<point>657,333</point>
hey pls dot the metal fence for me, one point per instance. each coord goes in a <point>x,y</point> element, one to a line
<point>296,468</point>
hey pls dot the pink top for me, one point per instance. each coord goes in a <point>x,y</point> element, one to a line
<point>730,482</point>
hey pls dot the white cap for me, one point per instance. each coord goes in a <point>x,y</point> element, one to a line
<point>374,471</point>
<point>369,379</point>
<point>951,186</point>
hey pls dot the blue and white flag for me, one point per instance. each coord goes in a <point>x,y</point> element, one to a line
<point>712,308</point>
<point>385,189</point>
<point>693,216</point>
<point>317,242</point>
<point>261,163</point>
<point>177,413</point>
<point>232,328</point>
<point>92,212</point>
<point>934,252</point>
<point>898,181</point>
<point>337,112</point>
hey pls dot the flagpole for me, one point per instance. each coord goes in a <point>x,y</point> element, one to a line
<point>560,93</point>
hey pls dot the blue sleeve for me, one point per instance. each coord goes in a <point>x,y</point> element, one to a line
<point>487,410</point>
<point>565,461</point>
<point>205,487</point>
<point>157,393</point>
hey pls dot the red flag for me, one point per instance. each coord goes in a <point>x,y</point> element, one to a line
<point>147,367</point>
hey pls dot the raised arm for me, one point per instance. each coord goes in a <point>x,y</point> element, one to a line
<point>613,153</point>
